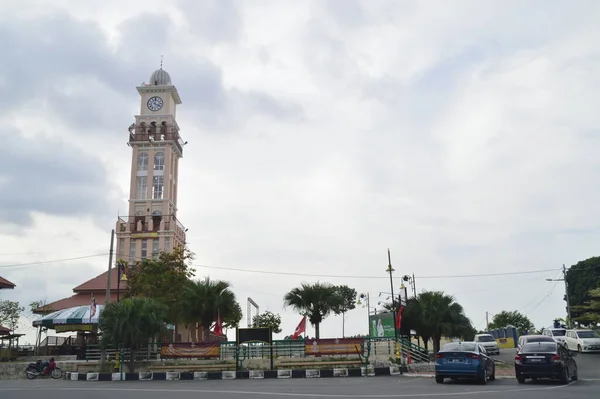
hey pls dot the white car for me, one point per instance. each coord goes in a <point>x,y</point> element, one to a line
<point>583,341</point>
<point>488,342</point>
<point>558,334</point>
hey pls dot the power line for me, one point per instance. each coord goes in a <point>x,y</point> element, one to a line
<point>53,261</point>
<point>45,253</point>
<point>368,277</point>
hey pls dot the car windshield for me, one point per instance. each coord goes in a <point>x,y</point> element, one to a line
<point>459,347</point>
<point>559,333</point>
<point>587,334</point>
<point>486,338</point>
<point>539,347</point>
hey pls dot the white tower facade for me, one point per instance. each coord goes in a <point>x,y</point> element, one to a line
<point>152,226</point>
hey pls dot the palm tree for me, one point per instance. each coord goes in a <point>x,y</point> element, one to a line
<point>204,300</point>
<point>440,315</point>
<point>131,323</point>
<point>316,301</point>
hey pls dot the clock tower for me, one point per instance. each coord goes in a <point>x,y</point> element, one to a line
<point>152,226</point>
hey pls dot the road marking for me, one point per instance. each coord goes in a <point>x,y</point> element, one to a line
<point>300,395</point>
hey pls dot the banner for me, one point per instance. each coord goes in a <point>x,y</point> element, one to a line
<point>73,327</point>
<point>190,349</point>
<point>382,325</point>
<point>333,346</point>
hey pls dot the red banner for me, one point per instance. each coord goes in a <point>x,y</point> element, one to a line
<point>190,349</point>
<point>334,346</point>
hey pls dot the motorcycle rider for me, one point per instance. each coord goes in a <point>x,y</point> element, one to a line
<point>48,366</point>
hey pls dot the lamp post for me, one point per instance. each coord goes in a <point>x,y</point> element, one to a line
<point>121,276</point>
<point>366,298</point>
<point>564,271</point>
<point>391,270</point>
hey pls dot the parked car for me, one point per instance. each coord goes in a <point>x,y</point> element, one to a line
<point>488,342</point>
<point>523,339</point>
<point>583,340</point>
<point>545,360</point>
<point>558,334</point>
<point>464,360</point>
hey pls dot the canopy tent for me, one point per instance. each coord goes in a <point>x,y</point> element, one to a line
<point>76,316</point>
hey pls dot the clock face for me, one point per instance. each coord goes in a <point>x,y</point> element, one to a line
<point>155,103</point>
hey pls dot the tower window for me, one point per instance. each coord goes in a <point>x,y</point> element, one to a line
<point>155,249</point>
<point>132,251</point>
<point>157,187</point>
<point>159,161</point>
<point>144,248</point>
<point>141,187</point>
<point>143,161</point>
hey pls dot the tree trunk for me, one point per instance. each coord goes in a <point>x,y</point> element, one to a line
<point>317,330</point>
<point>436,342</point>
<point>343,325</point>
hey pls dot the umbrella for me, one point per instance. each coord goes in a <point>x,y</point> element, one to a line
<point>76,315</point>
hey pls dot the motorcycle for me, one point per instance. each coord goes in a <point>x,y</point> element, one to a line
<point>41,368</point>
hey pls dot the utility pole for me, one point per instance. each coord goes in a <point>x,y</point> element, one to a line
<point>570,322</point>
<point>564,272</point>
<point>390,270</point>
<point>487,322</point>
<point>414,286</point>
<point>107,299</point>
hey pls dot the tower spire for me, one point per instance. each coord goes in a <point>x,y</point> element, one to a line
<point>161,61</point>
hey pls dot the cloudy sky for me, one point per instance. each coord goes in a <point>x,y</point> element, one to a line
<point>462,135</point>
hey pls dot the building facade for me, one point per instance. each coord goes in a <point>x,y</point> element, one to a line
<point>151,225</point>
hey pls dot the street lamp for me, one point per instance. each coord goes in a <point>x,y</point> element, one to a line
<point>391,270</point>
<point>366,298</point>
<point>411,281</point>
<point>564,271</point>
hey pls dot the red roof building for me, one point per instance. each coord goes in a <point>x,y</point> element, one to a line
<point>5,284</point>
<point>83,293</point>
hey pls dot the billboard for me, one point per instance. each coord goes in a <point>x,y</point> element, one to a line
<point>382,325</point>
<point>334,346</point>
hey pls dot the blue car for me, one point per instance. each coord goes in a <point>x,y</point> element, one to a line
<point>464,360</point>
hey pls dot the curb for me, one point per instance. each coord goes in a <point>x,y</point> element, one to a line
<point>498,377</point>
<point>239,375</point>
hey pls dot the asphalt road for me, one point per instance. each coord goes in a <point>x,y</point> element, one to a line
<point>372,387</point>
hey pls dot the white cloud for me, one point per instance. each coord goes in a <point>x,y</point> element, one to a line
<point>461,136</point>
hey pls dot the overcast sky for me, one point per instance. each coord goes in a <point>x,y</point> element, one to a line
<point>462,135</point>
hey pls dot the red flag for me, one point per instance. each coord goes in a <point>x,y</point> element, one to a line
<point>399,316</point>
<point>218,330</point>
<point>301,328</point>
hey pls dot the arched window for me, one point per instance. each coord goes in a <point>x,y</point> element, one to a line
<point>159,161</point>
<point>143,161</point>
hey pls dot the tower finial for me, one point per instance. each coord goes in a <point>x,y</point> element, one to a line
<point>161,61</point>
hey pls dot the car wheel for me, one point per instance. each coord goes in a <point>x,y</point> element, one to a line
<point>574,377</point>
<point>493,376</point>
<point>579,349</point>
<point>564,378</point>
<point>439,379</point>
<point>520,379</point>
<point>484,377</point>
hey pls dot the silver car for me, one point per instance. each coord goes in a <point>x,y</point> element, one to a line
<point>488,342</point>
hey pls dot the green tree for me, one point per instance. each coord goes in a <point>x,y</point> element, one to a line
<point>40,307</point>
<point>10,313</point>
<point>268,319</point>
<point>163,279</point>
<point>589,313</point>
<point>581,279</point>
<point>202,301</point>
<point>316,301</point>
<point>436,315</point>
<point>131,323</point>
<point>346,300</point>
<point>514,318</point>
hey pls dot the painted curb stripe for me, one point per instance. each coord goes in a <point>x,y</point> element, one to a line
<point>241,375</point>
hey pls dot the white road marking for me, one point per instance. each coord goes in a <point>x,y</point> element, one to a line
<point>300,395</point>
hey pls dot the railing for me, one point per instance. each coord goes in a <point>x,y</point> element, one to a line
<point>147,353</point>
<point>150,224</point>
<point>281,349</point>
<point>156,133</point>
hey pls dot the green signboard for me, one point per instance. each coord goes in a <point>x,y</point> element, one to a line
<point>382,325</point>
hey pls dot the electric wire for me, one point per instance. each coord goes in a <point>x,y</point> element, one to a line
<point>43,262</point>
